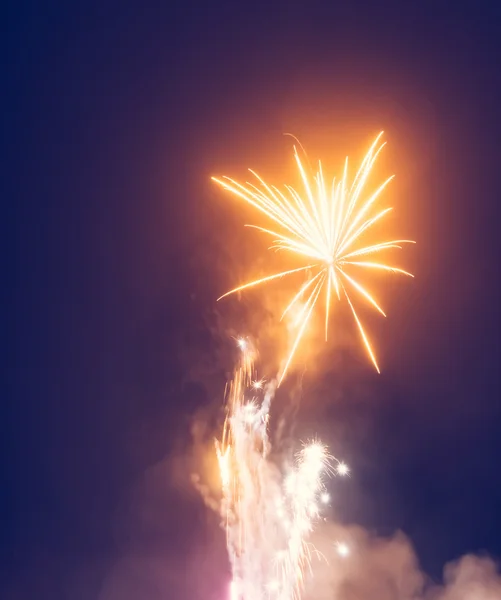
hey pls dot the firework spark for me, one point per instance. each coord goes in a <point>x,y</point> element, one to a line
<point>268,514</point>
<point>342,549</point>
<point>326,229</point>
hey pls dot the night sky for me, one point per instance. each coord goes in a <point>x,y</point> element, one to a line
<point>117,244</point>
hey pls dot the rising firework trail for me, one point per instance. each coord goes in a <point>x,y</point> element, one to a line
<point>268,513</point>
<point>326,229</point>
<point>268,510</point>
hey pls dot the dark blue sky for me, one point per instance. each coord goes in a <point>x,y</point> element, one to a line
<point>115,115</point>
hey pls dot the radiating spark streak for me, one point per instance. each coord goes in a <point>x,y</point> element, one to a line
<point>300,293</point>
<point>308,221</point>
<point>374,265</point>
<point>363,211</point>
<point>358,232</point>
<point>362,332</point>
<point>265,279</point>
<point>363,291</point>
<point>379,247</point>
<point>308,310</point>
<point>361,178</point>
<point>298,218</point>
<point>338,203</point>
<point>309,193</point>
<point>367,157</point>
<point>326,226</point>
<point>288,244</point>
<point>327,302</point>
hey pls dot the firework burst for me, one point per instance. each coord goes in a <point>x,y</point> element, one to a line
<point>325,227</point>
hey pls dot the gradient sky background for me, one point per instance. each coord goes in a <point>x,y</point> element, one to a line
<point>115,116</point>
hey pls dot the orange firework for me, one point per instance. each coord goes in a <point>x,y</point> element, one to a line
<point>324,227</point>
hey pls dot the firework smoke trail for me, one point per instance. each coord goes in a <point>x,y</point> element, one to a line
<point>325,228</point>
<point>267,516</point>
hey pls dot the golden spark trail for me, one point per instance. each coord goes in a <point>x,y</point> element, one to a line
<point>326,230</point>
